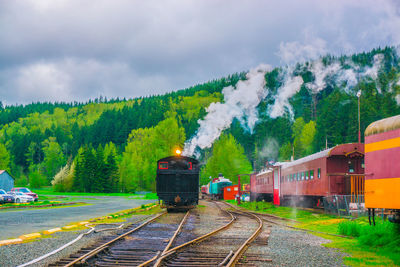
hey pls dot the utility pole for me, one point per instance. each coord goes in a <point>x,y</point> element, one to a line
<point>359,124</point>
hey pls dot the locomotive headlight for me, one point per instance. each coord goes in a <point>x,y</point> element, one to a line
<point>178,152</point>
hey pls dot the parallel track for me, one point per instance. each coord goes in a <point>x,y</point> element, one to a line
<point>147,249</point>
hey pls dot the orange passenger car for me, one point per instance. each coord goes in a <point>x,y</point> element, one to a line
<point>382,166</point>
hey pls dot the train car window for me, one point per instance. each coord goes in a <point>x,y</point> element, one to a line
<point>319,173</point>
<point>163,165</point>
<point>351,166</point>
<point>298,176</point>
<point>362,163</point>
<point>306,175</point>
<point>302,176</point>
<point>311,174</point>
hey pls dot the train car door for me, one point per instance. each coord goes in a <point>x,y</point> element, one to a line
<point>277,186</point>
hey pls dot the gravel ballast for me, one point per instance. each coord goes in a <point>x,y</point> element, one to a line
<point>14,255</point>
<point>288,247</point>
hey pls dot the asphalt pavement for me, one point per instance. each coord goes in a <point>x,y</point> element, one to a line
<point>16,222</point>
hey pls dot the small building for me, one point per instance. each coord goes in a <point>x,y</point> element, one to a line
<point>230,192</point>
<point>6,181</point>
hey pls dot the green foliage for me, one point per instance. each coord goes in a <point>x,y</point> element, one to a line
<point>385,237</point>
<point>146,146</point>
<point>41,136</point>
<point>63,180</point>
<point>4,158</point>
<point>285,152</point>
<point>36,179</point>
<point>53,158</point>
<point>227,158</point>
<point>349,228</point>
<point>21,181</point>
<point>93,172</point>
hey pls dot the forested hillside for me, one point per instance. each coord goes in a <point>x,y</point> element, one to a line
<point>113,145</point>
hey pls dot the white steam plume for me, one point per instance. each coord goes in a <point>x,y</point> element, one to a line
<point>348,77</point>
<point>289,88</point>
<point>240,102</point>
<point>270,150</point>
<point>321,72</point>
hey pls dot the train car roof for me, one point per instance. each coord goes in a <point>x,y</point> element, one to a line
<point>384,125</point>
<point>181,157</point>
<point>339,150</point>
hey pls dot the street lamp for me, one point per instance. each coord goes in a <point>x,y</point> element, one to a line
<point>359,131</point>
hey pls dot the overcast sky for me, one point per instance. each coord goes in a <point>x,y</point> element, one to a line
<point>66,50</point>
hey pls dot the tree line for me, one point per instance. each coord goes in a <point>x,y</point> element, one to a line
<point>69,144</point>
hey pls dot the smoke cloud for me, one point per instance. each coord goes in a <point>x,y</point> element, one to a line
<point>270,149</point>
<point>289,88</point>
<point>240,102</point>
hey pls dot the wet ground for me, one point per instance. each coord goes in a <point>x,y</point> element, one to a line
<point>16,222</point>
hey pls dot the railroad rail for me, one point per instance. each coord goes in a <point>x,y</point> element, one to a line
<point>84,258</point>
<point>201,256</point>
<point>135,249</point>
<point>273,219</point>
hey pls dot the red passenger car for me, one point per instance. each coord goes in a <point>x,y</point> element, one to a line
<point>305,181</point>
<point>261,185</point>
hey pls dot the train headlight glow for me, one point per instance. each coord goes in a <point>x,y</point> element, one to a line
<point>178,152</point>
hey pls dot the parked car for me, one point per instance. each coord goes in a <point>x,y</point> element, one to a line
<point>21,197</point>
<point>6,198</point>
<point>25,191</point>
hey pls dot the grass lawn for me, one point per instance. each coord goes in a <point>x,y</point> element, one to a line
<point>48,191</point>
<point>370,246</point>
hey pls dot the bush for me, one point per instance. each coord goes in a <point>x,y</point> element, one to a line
<point>350,228</point>
<point>21,182</point>
<point>384,237</point>
<point>36,179</point>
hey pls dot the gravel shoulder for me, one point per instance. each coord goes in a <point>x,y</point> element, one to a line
<point>296,248</point>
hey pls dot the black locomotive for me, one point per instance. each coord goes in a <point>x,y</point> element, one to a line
<point>178,182</point>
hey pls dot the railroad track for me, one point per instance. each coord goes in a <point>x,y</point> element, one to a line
<point>178,243</point>
<point>221,249</point>
<point>279,221</point>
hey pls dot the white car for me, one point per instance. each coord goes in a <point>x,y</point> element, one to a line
<point>21,197</point>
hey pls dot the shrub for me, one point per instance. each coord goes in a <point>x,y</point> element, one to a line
<point>384,237</point>
<point>36,179</point>
<point>350,228</point>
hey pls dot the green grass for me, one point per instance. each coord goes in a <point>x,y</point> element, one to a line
<point>47,192</point>
<point>371,246</point>
<point>384,237</point>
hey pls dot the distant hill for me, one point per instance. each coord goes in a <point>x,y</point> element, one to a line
<point>324,117</point>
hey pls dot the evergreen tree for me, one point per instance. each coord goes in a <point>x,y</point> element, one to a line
<point>227,158</point>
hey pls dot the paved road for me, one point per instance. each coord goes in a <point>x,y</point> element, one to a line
<point>16,222</point>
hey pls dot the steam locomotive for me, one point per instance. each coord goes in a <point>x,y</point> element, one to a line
<point>177,182</point>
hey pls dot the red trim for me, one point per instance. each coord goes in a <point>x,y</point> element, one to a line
<point>159,165</point>
<point>190,166</point>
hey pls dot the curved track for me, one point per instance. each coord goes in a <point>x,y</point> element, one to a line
<point>151,243</point>
<point>221,249</point>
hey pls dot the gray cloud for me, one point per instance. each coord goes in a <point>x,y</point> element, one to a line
<point>70,50</point>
